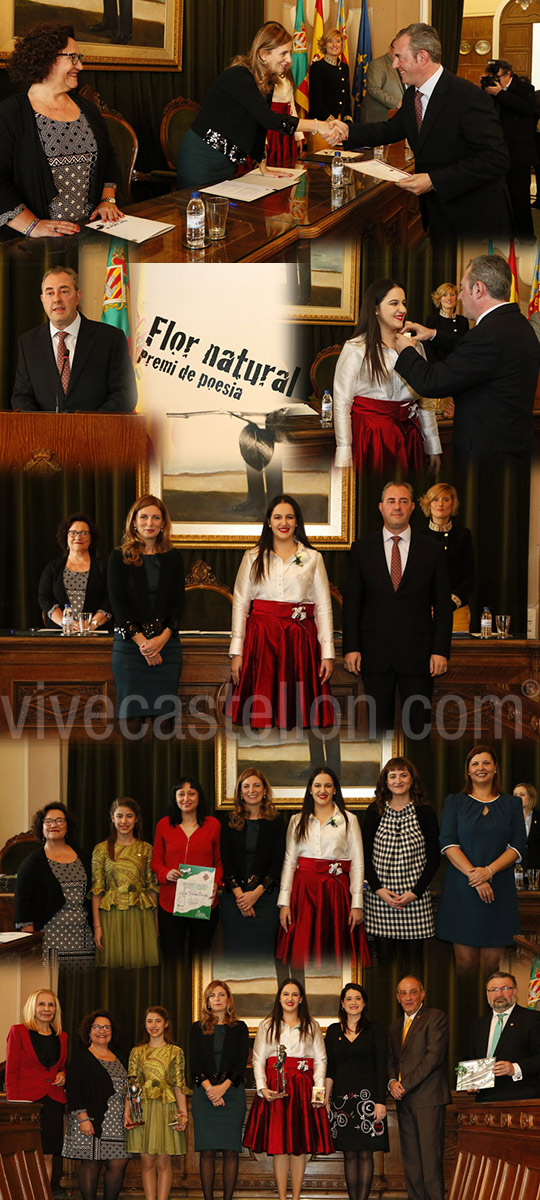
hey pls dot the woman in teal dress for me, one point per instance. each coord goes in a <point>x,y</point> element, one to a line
<point>478,909</point>
<point>156,1067</point>
<point>124,892</point>
<point>219,1047</point>
<point>145,580</point>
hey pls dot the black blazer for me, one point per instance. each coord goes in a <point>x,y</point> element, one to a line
<point>237,111</point>
<point>38,895</point>
<point>267,860</point>
<point>519,1043</point>
<point>397,629</point>
<point>130,597</point>
<point>89,1088</point>
<point>101,376</point>
<point>533,843</point>
<point>460,145</point>
<point>25,174</point>
<point>429,826</point>
<point>492,374</point>
<point>458,552</point>
<point>233,1059</point>
<point>53,592</point>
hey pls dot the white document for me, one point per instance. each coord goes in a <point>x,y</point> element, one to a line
<point>131,229</point>
<point>254,185</point>
<point>379,170</point>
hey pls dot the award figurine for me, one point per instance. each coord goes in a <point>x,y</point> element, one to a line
<point>280,1069</point>
<point>178,1122</point>
<point>134,1095</point>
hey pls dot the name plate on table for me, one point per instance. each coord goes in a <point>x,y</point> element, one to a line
<point>475,1073</point>
<point>194,888</point>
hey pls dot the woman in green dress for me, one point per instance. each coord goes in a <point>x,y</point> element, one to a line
<point>156,1065</point>
<point>124,892</point>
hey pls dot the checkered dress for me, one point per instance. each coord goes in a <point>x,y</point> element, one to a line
<point>399,857</point>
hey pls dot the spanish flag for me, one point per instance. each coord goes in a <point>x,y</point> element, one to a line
<point>318,30</point>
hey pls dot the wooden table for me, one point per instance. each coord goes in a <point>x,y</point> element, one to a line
<point>265,228</point>
<point>22,1166</point>
<point>43,443</point>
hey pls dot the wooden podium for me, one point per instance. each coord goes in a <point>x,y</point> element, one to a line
<point>498,1152</point>
<point>22,1166</point>
<point>43,444</point>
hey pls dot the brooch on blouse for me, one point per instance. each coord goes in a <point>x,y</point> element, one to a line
<point>298,613</point>
<point>335,868</point>
<point>298,560</point>
<point>302,1064</point>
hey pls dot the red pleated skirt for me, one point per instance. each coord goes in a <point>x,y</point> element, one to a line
<point>281,147</point>
<point>290,1125</point>
<point>320,908</point>
<point>279,686</point>
<point>384,436</point>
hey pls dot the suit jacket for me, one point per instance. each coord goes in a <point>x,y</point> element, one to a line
<point>515,109</point>
<point>267,859</point>
<point>533,843</point>
<point>519,1043</point>
<point>53,592</point>
<point>461,147</point>
<point>130,596</point>
<point>233,1059</point>
<point>101,375</point>
<point>384,90</point>
<point>403,628</point>
<point>26,1077</point>
<point>421,1060</point>
<point>492,374</point>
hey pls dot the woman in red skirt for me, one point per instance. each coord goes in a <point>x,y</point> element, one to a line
<point>282,647</point>
<point>379,421</point>
<point>287,1119</point>
<point>322,880</point>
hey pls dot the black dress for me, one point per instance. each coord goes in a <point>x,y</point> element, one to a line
<point>358,1071</point>
<point>459,554</point>
<point>146,599</point>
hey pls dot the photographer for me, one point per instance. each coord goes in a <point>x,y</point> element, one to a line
<point>514,100</point>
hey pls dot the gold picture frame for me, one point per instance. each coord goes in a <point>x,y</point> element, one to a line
<point>156,43</point>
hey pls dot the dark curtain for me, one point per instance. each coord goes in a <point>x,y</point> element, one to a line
<point>447,19</point>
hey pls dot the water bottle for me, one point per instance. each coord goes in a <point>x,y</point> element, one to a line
<point>195,221</point>
<point>486,623</point>
<point>337,170</point>
<point>326,411</point>
<point>67,621</point>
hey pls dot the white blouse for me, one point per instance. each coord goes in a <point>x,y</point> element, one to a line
<point>352,378</point>
<point>311,1046</point>
<point>295,582</point>
<point>333,840</point>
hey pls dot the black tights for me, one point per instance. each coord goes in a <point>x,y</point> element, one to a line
<point>208,1170</point>
<point>358,1173</point>
<point>88,1176</point>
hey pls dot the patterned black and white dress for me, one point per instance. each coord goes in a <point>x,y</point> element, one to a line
<point>400,860</point>
<point>358,1071</point>
<point>112,1143</point>
<point>71,150</point>
<point>67,937</point>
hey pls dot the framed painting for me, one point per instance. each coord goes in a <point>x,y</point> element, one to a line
<point>322,279</point>
<point>119,34</point>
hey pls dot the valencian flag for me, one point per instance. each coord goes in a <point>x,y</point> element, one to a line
<point>318,30</point>
<point>299,65</point>
<point>534,984</point>
<point>363,57</point>
<point>534,298</point>
<point>341,24</point>
<point>116,297</point>
<point>514,290</point>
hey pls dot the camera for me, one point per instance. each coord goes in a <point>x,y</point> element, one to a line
<point>490,80</point>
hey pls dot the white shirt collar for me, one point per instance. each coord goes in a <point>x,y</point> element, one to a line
<point>496,304</point>
<point>72,329</point>
<point>427,88</point>
<point>405,534</point>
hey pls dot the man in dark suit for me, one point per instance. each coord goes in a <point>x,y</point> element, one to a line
<point>71,364</point>
<point>510,1034</point>
<point>492,372</point>
<point>460,155</point>
<point>514,104</point>
<point>397,615</point>
<point>418,1082</point>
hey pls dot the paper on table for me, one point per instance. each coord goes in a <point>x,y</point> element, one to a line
<point>379,169</point>
<point>193,896</point>
<point>475,1073</point>
<point>13,937</point>
<point>349,155</point>
<point>254,185</point>
<point>131,229</point>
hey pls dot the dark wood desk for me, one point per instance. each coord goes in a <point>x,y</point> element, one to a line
<point>498,1151</point>
<point>265,228</point>
<point>22,1166</point>
<point>48,683</point>
<point>42,444</point>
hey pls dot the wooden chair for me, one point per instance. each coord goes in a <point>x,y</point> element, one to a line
<point>125,145</point>
<point>177,118</point>
<point>15,850</point>
<point>208,602</point>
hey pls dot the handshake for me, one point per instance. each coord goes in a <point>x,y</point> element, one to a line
<point>333,131</point>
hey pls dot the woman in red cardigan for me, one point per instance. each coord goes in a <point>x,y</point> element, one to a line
<point>36,1055</point>
<point>186,835</point>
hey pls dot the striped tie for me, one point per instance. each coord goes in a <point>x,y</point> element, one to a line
<point>395,563</point>
<point>418,108</point>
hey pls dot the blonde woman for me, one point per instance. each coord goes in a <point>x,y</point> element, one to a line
<point>440,505</point>
<point>219,1047</point>
<point>36,1056</point>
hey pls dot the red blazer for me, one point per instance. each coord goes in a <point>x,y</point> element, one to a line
<point>171,847</point>
<point>26,1078</point>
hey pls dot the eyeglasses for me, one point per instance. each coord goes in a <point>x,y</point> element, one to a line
<point>56,823</point>
<point>102,1028</point>
<point>75,58</point>
<point>78,533</point>
<point>507,987</point>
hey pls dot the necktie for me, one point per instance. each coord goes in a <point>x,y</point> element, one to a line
<point>62,359</point>
<point>496,1035</point>
<point>395,563</point>
<point>418,108</point>
<point>406,1028</point>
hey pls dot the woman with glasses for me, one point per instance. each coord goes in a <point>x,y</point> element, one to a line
<point>77,578</point>
<point>96,1086</point>
<point>57,165</point>
<point>51,892</point>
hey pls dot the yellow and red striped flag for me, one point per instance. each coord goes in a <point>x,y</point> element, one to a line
<point>341,24</point>
<point>318,30</point>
